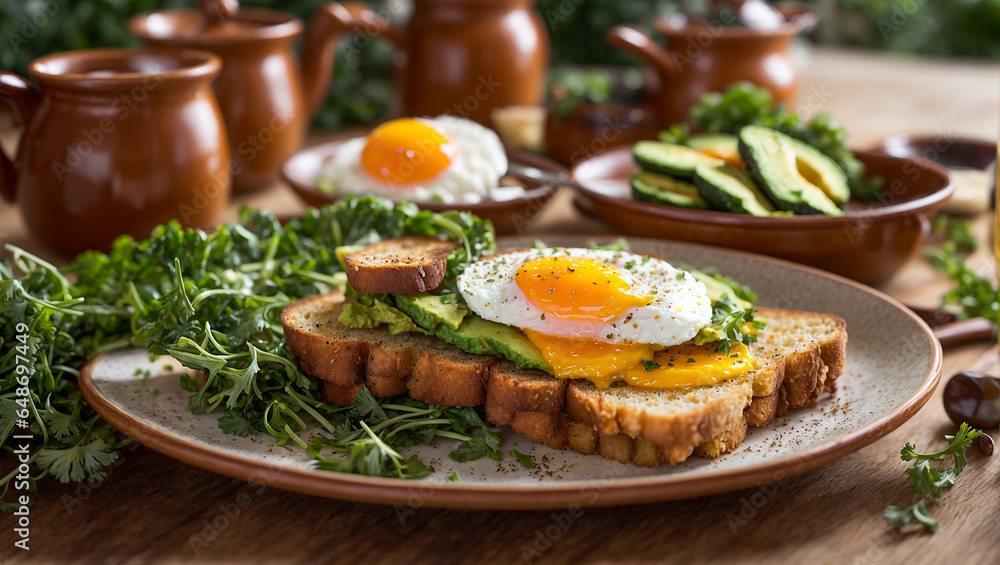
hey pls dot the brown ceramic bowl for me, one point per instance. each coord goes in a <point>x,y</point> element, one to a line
<point>868,244</point>
<point>949,151</point>
<point>508,216</point>
<point>590,129</point>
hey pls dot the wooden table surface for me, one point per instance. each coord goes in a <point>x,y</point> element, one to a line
<point>153,509</point>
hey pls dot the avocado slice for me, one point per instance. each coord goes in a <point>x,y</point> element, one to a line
<point>728,188</point>
<point>670,159</point>
<point>821,170</point>
<point>343,251</point>
<point>719,145</point>
<point>717,289</point>
<point>429,310</point>
<point>771,161</point>
<point>483,337</point>
<point>661,189</point>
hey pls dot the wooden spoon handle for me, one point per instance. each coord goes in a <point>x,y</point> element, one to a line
<point>965,331</point>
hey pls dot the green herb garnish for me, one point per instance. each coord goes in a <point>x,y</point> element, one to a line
<point>212,301</point>
<point>974,294</point>
<point>526,460</point>
<point>650,366</point>
<point>929,481</point>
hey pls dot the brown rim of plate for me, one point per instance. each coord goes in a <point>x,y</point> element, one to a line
<point>308,192</point>
<point>871,213</point>
<point>487,497</point>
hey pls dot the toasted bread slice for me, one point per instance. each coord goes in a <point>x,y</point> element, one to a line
<point>403,265</point>
<point>344,359</point>
<point>510,389</point>
<point>798,355</point>
<point>817,337</point>
<point>448,376</point>
<point>814,347</point>
<point>674,421</point>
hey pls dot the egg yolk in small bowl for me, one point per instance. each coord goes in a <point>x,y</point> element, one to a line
<point>406,152</point>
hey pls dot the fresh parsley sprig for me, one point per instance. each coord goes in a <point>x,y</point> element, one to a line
<point>974,295</point>
<point>928,480</point>
<point>734,320</point>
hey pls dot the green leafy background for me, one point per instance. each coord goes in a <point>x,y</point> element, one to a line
<point>361,89</point>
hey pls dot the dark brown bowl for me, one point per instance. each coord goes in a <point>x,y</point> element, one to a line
<point>508,216</point>
<point>949,151</point>
<point>868,244</point>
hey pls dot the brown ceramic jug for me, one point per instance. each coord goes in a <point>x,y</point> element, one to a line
<point>702,57</point>
<point>116,141</point>
<point>462,57</point>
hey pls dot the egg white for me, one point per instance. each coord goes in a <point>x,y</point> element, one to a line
<point>679,309</point>
<point>473,175</point>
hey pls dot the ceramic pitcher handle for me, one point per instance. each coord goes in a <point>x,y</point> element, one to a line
<point>635,41</point>
<point>218,11</point>
<point>332,21</point>
<point>24,99</point>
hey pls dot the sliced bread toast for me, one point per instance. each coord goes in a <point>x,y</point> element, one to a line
<point>344,359</point>
<point>799,359</point>
<point>401,265</point>
<point>622,423</point>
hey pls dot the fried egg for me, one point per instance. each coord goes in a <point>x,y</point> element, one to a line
<point>604,315</point>
<point>445,159</point>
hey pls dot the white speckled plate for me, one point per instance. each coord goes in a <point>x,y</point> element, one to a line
<point>893,365</point>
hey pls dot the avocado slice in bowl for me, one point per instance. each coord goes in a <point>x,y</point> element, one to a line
<point>728,188</point>
<point>670,159</point>
<point>719,145</point>
<point>771,160</point>
<point>661,189</point>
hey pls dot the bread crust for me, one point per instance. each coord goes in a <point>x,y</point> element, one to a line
<point>513,390</point>
<point>450,380</point>
<point>558,412</point>
<point>401,265</point>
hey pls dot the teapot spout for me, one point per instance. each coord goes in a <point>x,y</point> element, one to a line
<point>633,40</point>
<point>331,22</point>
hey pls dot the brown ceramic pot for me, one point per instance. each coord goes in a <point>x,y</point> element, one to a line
<point>260,91</point>
<point>462,57</point>
<point>590,129</point>
<point>708,57</point>
<point>116,142</point>
<point>868,243</point>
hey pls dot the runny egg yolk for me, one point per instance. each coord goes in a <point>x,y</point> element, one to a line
<point>639,364</point>
<point>576,287</point>
<point>582,358</point>
<point>406,151</point>
<point>683,366</point>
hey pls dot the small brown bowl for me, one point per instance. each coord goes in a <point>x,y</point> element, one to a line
<point>952,152</point>
<point>868,244</point>
<point>508,216</point>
